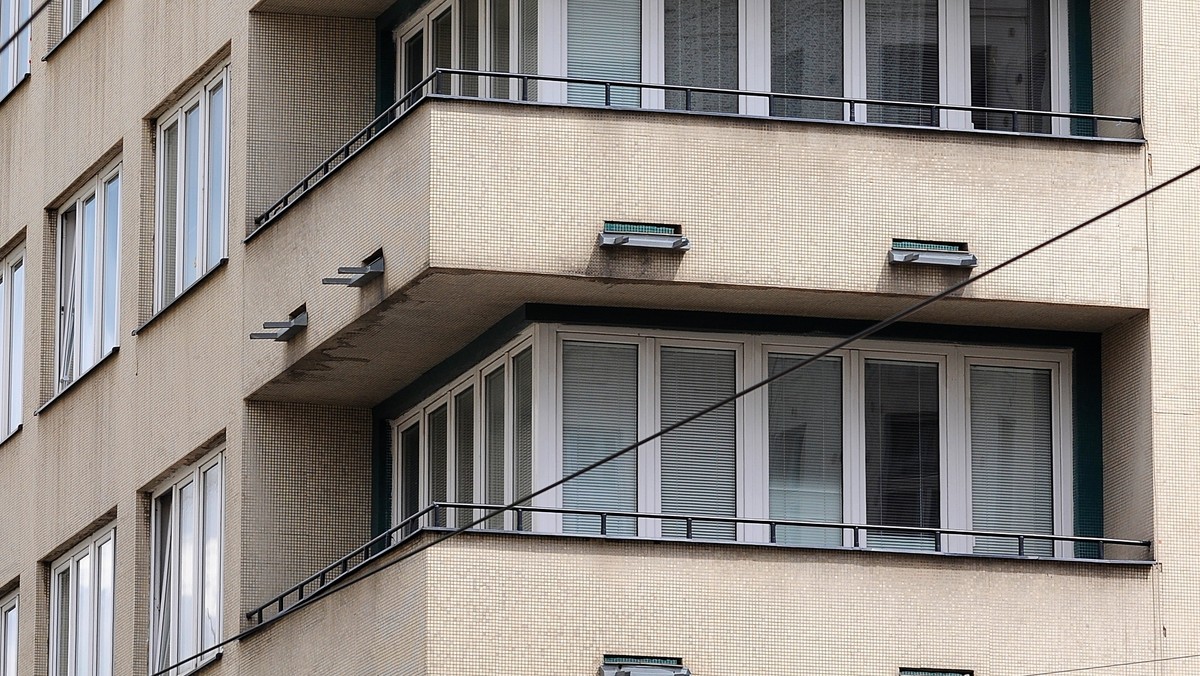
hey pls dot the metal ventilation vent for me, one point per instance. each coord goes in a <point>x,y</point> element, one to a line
<point>643,236</point>
<point>623,665</point>
<point>923,252</point>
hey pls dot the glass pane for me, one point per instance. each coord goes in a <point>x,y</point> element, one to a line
<point>191,196</point>
<point>410,477</point>
<point>1012,457</point>
<point>804,426</point>
<point>528,47</point>
<point>169,167</point>
<point>807,56</point>
<point>62,622</point>
<point>604,42</point>
<point>67,260</point>
<point>414,65</point>
<point>164,572</point>
<point>443,48</point>
<point>701,50</point>
<point>10,642</point>
<point>468,51</point>
<point>82,639</point>
<point>699,460</point>
<point>16,355</point>
<point>438,443</point>
<point>215,237</point>
<point>210,619</point>
<point>903,447</point>
<point>109,263</point>
<point>88,318</point>
<point>74,13</point>
<point>522,370</point>
<point>23,42</point>
<point>464,453</point>
<point>499,57</point>
<point>1010,62</point>
<point>902,59</point>
<point>599,417</point>
<point>104,609</point>
<point>493,442</point>
<point>188,563</point>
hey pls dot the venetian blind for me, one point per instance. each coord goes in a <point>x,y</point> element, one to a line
<point>1010,62</point>
<point>699,460</point>
<point>902,59</point>
<point>522,374</point>
<point>604,42</point>
<point>599,417</point>
<point>700,49</point>
<point>1012,457</point>
<point>807,56</point>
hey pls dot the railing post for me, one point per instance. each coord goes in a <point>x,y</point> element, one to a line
<point>519,514</point>
<point>934,119</point>
<point>1014,121</point>
<point>607,94</point>
<point>603,523</point>
<point>1020,545</point>
<point>856,536</point>
<point>687,104</point>
<point>852,106</point>
<point>437,515</point>
<point>772,532</point>
<point>689,527</point>
<point>525,88</point>
<point>437,81</point>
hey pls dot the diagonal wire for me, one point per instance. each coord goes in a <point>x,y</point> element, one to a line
<point>867,332</point>
<point>1077,670</point>
<point>24,24</point>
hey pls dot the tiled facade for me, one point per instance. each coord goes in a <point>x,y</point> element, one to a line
<point>483,207</point>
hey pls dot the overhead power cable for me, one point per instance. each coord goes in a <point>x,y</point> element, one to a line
<point>342,583</point>
<point>1079,670</point>
<point>24,24</point>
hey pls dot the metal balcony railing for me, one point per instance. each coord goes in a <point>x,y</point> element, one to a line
<point>437,515</point>
<point>446,83</point>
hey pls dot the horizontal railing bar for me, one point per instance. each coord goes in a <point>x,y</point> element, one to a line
<point>410,99</point>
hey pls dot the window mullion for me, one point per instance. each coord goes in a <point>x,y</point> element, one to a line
<point>653,57</point>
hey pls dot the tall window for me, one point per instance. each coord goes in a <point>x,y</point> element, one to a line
<point>75,10</point>
<point>193,161</point>
<point>14,57</point>
<point>12,337</point>
<point>470,444</point>
<point>81,609</point>
<point>187,545</point>
<point>8,636</point>
<point>88,237</point>
<point>497,36</point>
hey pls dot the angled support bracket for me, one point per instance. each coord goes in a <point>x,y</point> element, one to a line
<point>360,275</point>
<point>282,331</point>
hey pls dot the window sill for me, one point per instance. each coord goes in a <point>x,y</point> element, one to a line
<point>24,78</point>
<point>76,29</point>
<point>83,376</point>
<point>182,294</point>
<point>11,434</point>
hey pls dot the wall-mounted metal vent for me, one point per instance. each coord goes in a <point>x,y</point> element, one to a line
<point>643,236</point>
<point>630,665</point>
<point>923,252</point>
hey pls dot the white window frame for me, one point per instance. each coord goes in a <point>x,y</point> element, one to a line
<point>12,342</point>
<point>68,561</point>
<point>200,97</point>
<point>474,378</point>
<point>70,20</point>
<point>95,189</point>
<point>192,474</point>
<point>422,23</point>
<point>755,56</point>
<point>753,353</point>
<point>9,603</point>
<point>18,11</point>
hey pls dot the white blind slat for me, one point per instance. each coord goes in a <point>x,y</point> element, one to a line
<point>903,59</point>
<point>1010,62</point>
<point>604,42</point>
<point>807,56</point>
<point>700,46</point>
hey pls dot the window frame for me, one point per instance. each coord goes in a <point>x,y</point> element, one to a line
<point>12,326</point>
<point>9,603</point>
<point>68,562</point>
<point>199,97</point>
<point>94,189</point>
<point>18,68</point>
<point>69,21</point>
<point>192,474</point>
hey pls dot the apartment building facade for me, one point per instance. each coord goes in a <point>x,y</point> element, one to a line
<point>292,289</point>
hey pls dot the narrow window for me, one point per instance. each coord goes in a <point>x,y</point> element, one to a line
<point>1012,457</point>
<point>522,395</point>
<point>807,56</point>
<point>903,59</point>
<point>599,417</point>
<point>699,460</point>
<point>604,42</point>
<point>8,636</point>
<point>88,268</point>
<point>81,609</point>
<point>438,444</point>
<point>468,48</point>
<point>12,336</point>
<point>500,37</point>
<point>442,31</point>
<point>700,40</point>
<point>186,540</point>
<point>193,188</point>
<point>14,57</point>
<point>804,436</point>
<point>1010,62</point>
<point>414,65</point>
<point>410,473</point>
<point>494,436</point>
<point>903,443</point>
<point>464,453</point>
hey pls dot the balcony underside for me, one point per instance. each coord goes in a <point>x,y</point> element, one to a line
<point>365,9</point>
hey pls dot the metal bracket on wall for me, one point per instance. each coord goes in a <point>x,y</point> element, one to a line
<point>643,236</point>
<point>361,275</point>
<point>952,254</point>
<point>282,331</point>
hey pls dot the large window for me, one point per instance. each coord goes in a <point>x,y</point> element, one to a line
<point>895,435</point>
<point>8,635</point>
<point>193,161</point>
<point>186,558</point>
<point>88,237</point>
<point>12,337</point>
<point>497,36</point>
<point>14,56</point>
<point>81,608</point>
<point>73,11</point>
